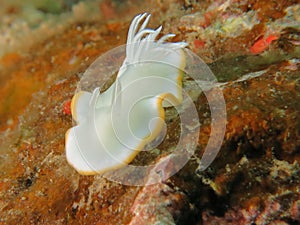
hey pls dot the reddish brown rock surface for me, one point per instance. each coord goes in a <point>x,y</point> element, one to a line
<point>254,180</point>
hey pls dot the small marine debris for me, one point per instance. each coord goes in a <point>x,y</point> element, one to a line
<point>262,44</point>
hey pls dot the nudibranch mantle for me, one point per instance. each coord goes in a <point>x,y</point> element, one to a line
<point>114,125</point>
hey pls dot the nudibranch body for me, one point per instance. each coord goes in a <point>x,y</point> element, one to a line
<point>114,125</point>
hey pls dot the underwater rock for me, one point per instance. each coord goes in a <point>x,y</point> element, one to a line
<point>260,154</point>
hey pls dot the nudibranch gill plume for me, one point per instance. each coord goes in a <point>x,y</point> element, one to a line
<point>113,126</point>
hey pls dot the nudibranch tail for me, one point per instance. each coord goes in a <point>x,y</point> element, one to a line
<point>114,125</point>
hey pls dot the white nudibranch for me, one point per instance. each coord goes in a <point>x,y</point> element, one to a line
<point>114,125</point>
